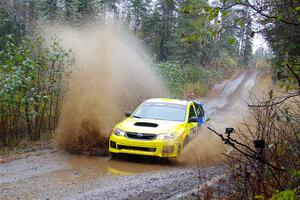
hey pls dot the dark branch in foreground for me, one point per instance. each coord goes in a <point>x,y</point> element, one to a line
<point>234,143</point>
<point>260,12</point>
<point>296,76</point>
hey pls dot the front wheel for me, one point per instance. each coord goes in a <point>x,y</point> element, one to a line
<point>186,141</point>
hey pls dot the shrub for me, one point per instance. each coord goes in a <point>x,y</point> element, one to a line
<point>261,171</point>
<point>185,80</point>
<point>195,90</point>
<point>32,81</point>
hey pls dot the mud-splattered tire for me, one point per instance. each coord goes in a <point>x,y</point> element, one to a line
<point>179,149</point>
<point>186,141</point>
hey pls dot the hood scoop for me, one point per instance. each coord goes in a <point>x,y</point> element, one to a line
<point>146,124</point>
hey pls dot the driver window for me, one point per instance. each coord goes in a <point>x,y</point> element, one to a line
<point>192,112</point>
<point>199,110</point>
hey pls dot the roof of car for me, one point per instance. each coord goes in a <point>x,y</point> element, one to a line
<point>169,100</point>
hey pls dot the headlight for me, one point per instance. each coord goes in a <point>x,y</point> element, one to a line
<point>166,136</point>
<point>119,132</point>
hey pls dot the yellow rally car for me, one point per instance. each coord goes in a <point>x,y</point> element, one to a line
<point>158,127</point>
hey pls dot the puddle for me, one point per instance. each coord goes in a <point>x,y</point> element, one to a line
<point>92,167</point>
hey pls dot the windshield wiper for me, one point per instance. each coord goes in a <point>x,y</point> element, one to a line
<point>136,116</point>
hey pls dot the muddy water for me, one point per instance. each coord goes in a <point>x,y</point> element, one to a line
<point>90,167</point>
<point>57,173</point>
<point>30,178</point>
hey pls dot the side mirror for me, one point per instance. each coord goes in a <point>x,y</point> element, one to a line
<point>128,114</point>
<point>193,119</point>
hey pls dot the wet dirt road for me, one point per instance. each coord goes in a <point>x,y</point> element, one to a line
<point>55,175</point>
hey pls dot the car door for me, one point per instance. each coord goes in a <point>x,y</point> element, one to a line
<point>200,114</point>
<point>192,125</point>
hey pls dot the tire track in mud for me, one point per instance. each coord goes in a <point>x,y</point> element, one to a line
<point>64,176</point>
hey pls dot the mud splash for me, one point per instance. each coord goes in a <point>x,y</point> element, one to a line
<point>228,109</point>
<point>112,74</point>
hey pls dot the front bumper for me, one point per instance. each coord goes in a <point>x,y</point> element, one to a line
<point>160,148</point>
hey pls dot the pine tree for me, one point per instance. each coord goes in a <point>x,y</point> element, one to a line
<point>245,38</point>
<point>51,9</point>
<point>70,7</point>
<point>86,9</point>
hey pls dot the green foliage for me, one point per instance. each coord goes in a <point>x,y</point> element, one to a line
<point>284,195</point>
<point>231,41</point>
<point>230,29</point>
<point>195,90</point>
<point>173,75</point>
<point>173,31</point>
<point>189,81</point>
<point>157,29</point>
<point>286,73</point>
<point>32,80</point>
<point>295,173</point>
<point>7,26</point>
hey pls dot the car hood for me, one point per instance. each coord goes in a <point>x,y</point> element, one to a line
<point>149,125</point>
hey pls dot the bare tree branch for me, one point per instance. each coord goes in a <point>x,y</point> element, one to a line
<point>261,11</point>
<point>269,104</point>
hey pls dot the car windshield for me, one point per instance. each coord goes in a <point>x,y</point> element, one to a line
<point>161,111</point>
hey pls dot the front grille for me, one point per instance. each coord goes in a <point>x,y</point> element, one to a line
<point>137,148</point>
<point>141,136</point>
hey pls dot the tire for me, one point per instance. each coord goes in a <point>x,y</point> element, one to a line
<point>179,149</point>
<point>186,141</point>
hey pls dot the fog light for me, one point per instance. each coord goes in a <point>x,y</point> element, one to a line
<point>168,149</point>
<point>113,144</point>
